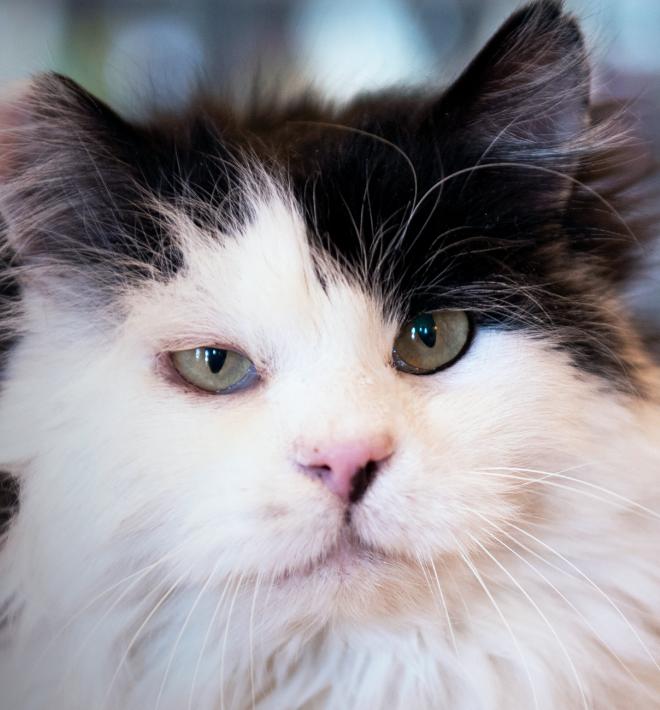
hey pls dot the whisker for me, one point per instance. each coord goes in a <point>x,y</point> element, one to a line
<point>475,572</point>
<point>224,642</point>
<point>427,579</point>
<point>205,641</point>
<point>588,484</point>
<point>251,640</point>
<point>445,607</point>
<point>594,586</point>
<point>637,508</point>
<point>140,574</point>
<point>373,136</point>
<point>538,610</point>
<point>186,621</point>
<point>138,633</point>
<point>552,586</point>
<point>457,589</point>
<point>529,166</point>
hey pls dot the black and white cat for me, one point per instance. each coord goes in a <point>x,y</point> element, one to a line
<point>330,408</point>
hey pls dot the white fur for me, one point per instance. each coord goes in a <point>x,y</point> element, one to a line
<point>164,553</point>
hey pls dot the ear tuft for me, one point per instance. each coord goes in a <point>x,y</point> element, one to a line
<point>529,86</point>
<point>44,114</point>
<point>63,170</point>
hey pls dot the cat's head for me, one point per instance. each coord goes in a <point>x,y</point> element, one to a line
<point>319,349</point>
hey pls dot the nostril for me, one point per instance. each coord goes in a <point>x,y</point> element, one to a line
<point>362,480</point>
<point>321,472</point>
<point>348,467</point>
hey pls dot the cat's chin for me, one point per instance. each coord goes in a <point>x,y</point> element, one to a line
<point>347,557</point>
<point>352,581</point>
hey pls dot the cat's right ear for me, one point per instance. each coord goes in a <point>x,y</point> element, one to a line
<point>524,101</point>
<point>69,188</point>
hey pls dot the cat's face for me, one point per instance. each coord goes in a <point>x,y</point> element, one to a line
<point>312,273</point>
<point>221,480</point>
<point>217,483</point>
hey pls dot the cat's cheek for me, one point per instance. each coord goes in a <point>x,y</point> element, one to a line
<point>259,539</point>
<point>477,434</point>
<point>236,507</point>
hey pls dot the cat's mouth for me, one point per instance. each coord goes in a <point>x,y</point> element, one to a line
<point>344,557</point>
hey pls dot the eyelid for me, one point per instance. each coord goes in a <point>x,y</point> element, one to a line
<point>172,345</point>
<point>198,341</point>
<point>166,370</point>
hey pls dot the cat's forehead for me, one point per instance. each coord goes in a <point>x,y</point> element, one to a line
<point>257,280</point>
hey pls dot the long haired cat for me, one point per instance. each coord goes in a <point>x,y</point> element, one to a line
<point>330,407</point>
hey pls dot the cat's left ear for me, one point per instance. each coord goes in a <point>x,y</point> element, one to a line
<point>69,188</point>
<point>525,97</point>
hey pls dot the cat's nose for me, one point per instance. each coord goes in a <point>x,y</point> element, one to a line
<point>347,467</point>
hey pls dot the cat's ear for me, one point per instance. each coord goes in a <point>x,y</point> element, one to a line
<point>525,97</point>
<point>68,191</point>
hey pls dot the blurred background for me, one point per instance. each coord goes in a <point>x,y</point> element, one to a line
<point>131,50</point>
<point>154,53</point>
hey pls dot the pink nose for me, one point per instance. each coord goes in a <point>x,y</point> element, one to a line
<point>348,467</point>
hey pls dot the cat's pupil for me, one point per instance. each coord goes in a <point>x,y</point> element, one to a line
<point>214,358</point>
<point>424,328</point>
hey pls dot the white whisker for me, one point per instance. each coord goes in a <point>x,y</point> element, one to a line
<point>559,593</point>
<point>186,621</point>
<point>225,639</point>
<point>470,565</point>
<point>538,610</point>
<point>594,586</point>
<point>550,474</point>
<point>205,641</point>
<point>620,502</point>
<point>138,633</point>
<point>251,640</point>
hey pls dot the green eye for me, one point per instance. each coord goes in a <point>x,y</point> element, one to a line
<point>432,341</point>
<point>214,369</point>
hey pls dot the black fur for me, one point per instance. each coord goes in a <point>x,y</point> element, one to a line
<point>9,499</point>
<point>482,198</point>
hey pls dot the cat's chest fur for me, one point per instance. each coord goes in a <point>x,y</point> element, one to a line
<point>510,641</point>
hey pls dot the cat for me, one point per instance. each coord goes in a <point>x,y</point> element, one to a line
<point>330,407</point>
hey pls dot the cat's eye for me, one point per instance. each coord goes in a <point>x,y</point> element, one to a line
<point>432,341</point>
<point>215,370</point>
